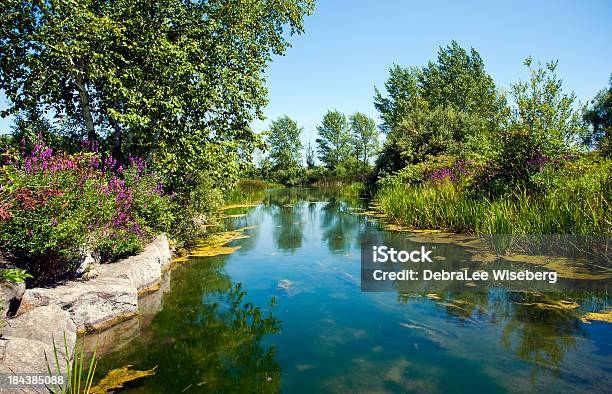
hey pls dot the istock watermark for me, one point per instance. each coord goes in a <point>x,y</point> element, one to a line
<point>382,254</point>
<point>396,262</point>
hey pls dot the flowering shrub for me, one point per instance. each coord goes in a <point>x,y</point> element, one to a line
<point>56,207</point>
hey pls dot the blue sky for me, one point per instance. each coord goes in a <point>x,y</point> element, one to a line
<point>348,47</point>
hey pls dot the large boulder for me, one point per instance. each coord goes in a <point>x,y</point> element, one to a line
<point>144,270</point>
<point>47,324</point>
<point>93,305</point>
<point>23,355</point>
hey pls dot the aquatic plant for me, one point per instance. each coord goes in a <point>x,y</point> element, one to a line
<point>568,201</point>
<point>72,368</point>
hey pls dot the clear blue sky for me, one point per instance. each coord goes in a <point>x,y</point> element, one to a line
<point>348,47</point>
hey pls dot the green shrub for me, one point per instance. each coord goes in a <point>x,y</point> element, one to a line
<point>54,208</point>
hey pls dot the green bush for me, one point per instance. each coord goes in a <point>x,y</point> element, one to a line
<point>54,208</point>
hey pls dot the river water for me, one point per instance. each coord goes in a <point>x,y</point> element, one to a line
<point>286,313</point>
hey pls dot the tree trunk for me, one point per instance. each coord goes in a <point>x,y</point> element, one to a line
<point>117,141</point>
<point>85,107</point>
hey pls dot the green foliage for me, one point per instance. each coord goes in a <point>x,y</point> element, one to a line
<point>352,191</point>
<point>54,208</point>
<point>414,174</point>
<point>449,107</point>
<point>195,207</point>
<point>545,112</point>
<point>250,191</point>
<point>285,143</point>
<point>175,82</point>
<point>365,135</point>
<point>14,275</point>
<point>291,176</point>
<point>334,142</point>
<point>572,198</point>
<point>544,126</point>
<point>599,118</point>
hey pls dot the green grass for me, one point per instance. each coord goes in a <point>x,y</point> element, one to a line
<point>353,190</point>
<point>73,368</point>
<point>448,207</point>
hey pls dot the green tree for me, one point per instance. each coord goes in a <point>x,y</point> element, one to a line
<point>458,80</point>
<point>451,106</point>
<point>545,112</point>
<point>285,143</point>
<point>365,135</point>
<point>404,96</point>
<point>176,82</point>
<point>334,139</point>
<point>599,118</point>
<point>544,125</point>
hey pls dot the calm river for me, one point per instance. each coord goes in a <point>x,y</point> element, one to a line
<point>286,313</point>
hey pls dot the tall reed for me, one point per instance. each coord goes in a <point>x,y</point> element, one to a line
<point>447,206</point>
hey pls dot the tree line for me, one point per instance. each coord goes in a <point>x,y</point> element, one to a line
<point>449,110</point>
<point>345,146</point>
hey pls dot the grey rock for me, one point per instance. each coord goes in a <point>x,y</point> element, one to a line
<point>86,264</point>
<point>22,355</point>
<point>144,270</point>
<point>46,324</point>
<point>83,306</point>
<point>92,305</point>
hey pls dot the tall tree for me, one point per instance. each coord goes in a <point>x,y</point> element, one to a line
<point>334,139</point>
<point>365,135</point>
<point>545,112</point>
<point>599,118</point>
<point>285,143</point>
<point>177,82</point>
<point>451,106</point>
<point>544,124</point>
<point>458,80</point>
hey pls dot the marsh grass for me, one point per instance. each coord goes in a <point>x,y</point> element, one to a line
<point>447,206</point>
<point>353,190</point>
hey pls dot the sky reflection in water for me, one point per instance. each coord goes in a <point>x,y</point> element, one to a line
<point>218,333</point>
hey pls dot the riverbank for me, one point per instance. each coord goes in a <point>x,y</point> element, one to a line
<point>109,297</point>
<point>574,200</point>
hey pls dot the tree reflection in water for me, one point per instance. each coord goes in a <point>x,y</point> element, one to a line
<point>207,338</point>
<point>210,338</point>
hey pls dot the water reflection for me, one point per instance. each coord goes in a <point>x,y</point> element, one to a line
<point>338,226</point>
<point>206,339</point>
<point>420,337</point>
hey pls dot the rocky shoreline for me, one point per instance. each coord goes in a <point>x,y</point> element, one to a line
<point>109,296</point>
